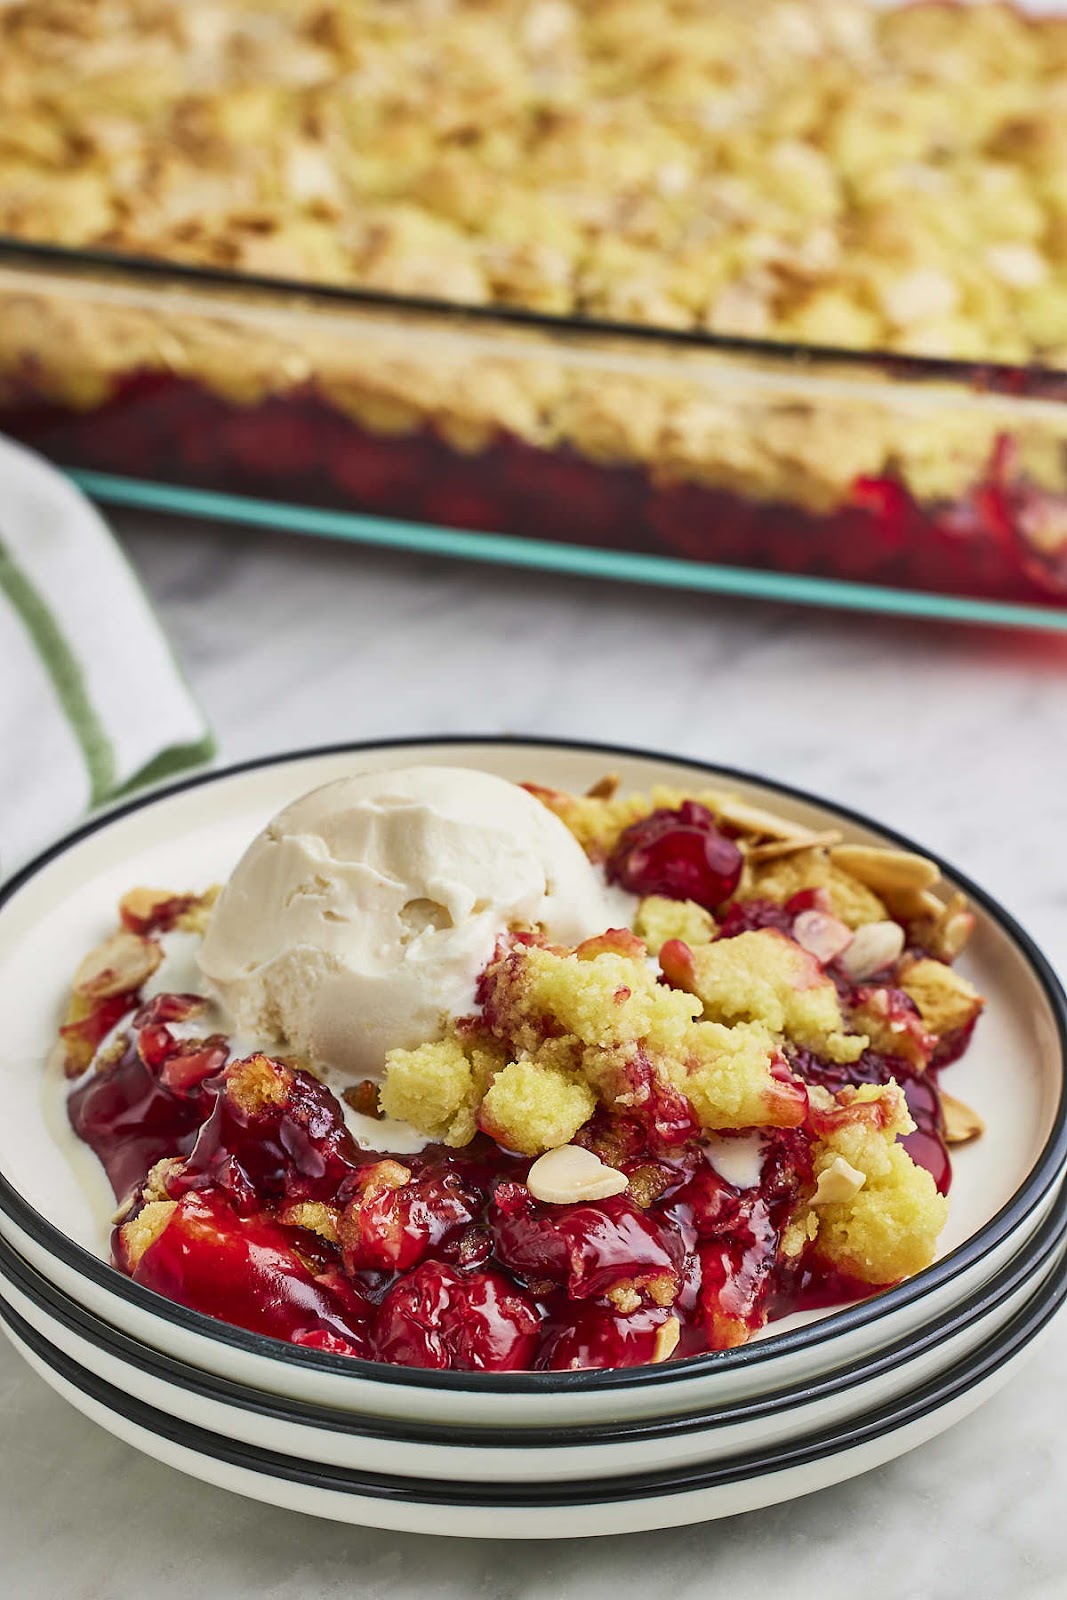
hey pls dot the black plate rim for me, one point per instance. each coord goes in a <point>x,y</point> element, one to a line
<point>819,1445</point>
<point>59,1307</point>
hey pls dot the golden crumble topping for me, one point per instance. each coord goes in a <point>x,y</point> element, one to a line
<point>852,177</point>
<point>947,1002</point>
<point>763,977</point>
<point>145,1228</point>
<point>720,1096</point>
<point>659,919</point>
<point>887,1230</point>
<point>438,1088</point>
<point>841,175</point>
<point>582,1028</point>
<point>256,1083</point>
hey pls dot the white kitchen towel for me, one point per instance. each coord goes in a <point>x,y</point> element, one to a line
<point>92,703</point>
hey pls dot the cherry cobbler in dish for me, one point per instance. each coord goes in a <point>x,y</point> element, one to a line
<point>844,177</point>
<point>380,1099</point>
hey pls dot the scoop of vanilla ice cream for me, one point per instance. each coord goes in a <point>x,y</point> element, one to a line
<point>361,916</point>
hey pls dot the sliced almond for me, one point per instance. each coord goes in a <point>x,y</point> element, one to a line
<point>567,1175</point>
<point>120,964</point>
<point>913,905</point>
<point>667,1335</point>
<point>605,788</point>
<point>961,1123</point>
<point>884,870</point>
<point>954,933</point>
<point>730,808</point>
<point>945,929</point>
<point>873,947</point>
<point>839,1184</point>
<point>775,849</point>
<point>118,1217</point>
<point>821,933</point>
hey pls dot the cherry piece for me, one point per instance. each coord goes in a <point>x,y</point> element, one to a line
<point>168,1008</point>
<point>926,1145</point>
<point>593,1335</point>
<point>440,1317</point>
<point>84,1036</point>
<point>680,854</point>
<point>395,1219</point>
<point>130,1119</point>
<point>590,1248</point>
<point>274,1134</point>
<point>245,1271</point>
<point>749,916</point>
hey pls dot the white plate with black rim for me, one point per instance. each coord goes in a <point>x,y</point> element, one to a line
<point>191,834</point>
<point>557,1455</point>
<point>632,1504</point>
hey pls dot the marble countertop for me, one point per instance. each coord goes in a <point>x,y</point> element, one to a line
<point>954,734</point>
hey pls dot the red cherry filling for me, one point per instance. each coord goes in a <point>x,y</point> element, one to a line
<point>680,854</point>
<point>589,1248</point>
<point>246,1271</point>
<point>444,1259</point>
<point>396,1219</point>
<point>596,1336</point>
<point>130,1119</point>
<point>440,1317</point>
<point>274,1134</point>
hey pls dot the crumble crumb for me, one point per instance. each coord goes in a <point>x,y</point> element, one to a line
<point>144,1229</point>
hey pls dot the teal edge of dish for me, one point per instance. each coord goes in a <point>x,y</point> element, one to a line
<point>503,549</point>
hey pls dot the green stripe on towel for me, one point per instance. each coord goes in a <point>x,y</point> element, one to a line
<point>62,667</point>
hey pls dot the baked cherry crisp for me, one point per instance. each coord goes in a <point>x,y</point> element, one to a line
<point>639,1148</point>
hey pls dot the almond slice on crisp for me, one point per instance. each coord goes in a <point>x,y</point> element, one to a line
<point>912,905</point>
<point>838,1184</point>
<point>730,808</point>
<point>886,870</point>
<point>667,1335</point>
<point>946,927</point>
<point>569,1174</point>
<point>822,934</point>
<point>119,965</point>
<point>955,924</point>
<point>775,849</point>
<point>873,947</point>
<point>962,1124</point>
<point>604,788</point>
<point>140,905</point>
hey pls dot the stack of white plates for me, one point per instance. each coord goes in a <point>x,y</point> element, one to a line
<point>521,1455</point>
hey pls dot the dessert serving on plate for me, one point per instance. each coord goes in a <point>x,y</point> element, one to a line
<point>456,1073</point>
<point>859,178</point>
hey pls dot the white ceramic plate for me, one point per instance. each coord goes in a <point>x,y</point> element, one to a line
<point>192,834</point>
<point>481,1455</point>
<point>549,1511</point>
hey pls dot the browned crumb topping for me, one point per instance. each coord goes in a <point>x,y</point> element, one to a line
<point>623,1296</point>
<point>363,1097</point>
<point>313,1215</point>
<point>145,1228</point>
<point>258,1082</point>
<point>647,1182</point>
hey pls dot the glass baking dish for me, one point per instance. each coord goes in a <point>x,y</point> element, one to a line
<point>888,482</point>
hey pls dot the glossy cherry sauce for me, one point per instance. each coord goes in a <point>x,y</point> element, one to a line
<point>299,448</point>
<point>442,1259</point>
